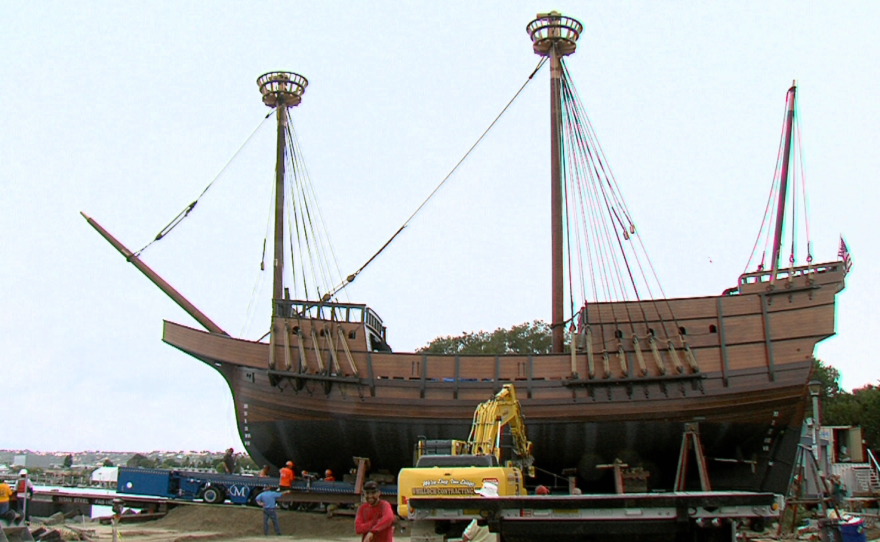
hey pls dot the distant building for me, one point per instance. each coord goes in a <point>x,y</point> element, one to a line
<point>33,460</point>
<point>105,476</point>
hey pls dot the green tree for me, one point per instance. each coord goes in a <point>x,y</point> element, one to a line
<point>527,338</point>
<point>861,407</point>
<point>170,462</point>
<point>868,399</point>
<point>68,461</point>
<point>139,460</point>
<point>828,376</point>
<point>108,463</point>
<point>245,464</point>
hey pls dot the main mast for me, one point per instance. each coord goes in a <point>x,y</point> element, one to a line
<point>783,181</point>
<point>555,36</point>
<point>280,91</point>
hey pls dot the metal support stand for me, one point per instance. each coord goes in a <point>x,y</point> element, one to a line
<point>618,467</point>
<point>798,490</point>
<point>571,474</point>
<point>363,465</point>
<point>691,438</point>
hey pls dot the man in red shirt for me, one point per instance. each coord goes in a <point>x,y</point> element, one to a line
<point>375,519</point>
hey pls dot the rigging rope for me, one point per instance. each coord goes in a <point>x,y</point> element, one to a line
<point>185,213</point>
<point>250,312</point>
<point>603,226</point>
<point>774,190</point>
<point>804,193</point>
<point>348,280</point>
<point>319,229</point>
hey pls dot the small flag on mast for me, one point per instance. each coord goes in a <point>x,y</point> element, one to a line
<point>844,256</point>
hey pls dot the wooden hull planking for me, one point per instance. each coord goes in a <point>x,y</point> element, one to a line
<point>317,395</point>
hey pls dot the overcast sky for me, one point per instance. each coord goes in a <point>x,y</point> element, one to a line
<point>127,110</point>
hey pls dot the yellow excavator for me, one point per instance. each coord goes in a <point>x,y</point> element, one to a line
<point>473,467</point>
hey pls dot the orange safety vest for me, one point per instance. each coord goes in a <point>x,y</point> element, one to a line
<point>5,492</point>
<point>21,488</point>
<point>286,477</point>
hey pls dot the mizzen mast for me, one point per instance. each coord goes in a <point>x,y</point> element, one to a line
<point>555,36</point>
<point>783,181</point>
<point>280,91</point>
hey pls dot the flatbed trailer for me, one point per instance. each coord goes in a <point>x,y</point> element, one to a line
<point>706,516</point>
<point>216,488</point>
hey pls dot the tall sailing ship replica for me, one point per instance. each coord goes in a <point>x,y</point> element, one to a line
<point>626,370</point>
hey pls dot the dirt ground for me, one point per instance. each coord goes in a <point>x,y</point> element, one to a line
<point>245,524</point>
<point>242,524</point>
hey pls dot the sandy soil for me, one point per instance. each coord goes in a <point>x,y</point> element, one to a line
<point>242,524</point>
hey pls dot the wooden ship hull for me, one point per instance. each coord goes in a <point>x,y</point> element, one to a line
<point>324,388</point>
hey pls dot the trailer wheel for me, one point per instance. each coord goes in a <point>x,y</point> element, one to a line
<point>252,498</point>
<point>758,525</point>
<point>213,495</point>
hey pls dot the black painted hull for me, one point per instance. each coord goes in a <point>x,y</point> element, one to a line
<point>653,445</point>
<point>749,451</point>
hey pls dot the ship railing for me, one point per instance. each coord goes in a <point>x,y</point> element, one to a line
<point>335,312</point>
<point>872,462</point>
<point>445,370</point>
<point>786,274</point>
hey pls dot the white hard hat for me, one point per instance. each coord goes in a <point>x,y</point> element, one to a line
<point>22,472</point>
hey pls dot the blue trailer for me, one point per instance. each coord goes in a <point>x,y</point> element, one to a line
<point>215,488</point>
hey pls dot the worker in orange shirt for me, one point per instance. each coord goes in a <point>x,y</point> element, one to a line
<point>287,476</point>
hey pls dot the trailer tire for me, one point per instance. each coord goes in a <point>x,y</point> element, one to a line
<point>252,497</point>
<point>213,495</point>
<point>757,525</point>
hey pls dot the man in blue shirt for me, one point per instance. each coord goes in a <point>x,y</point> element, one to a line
<point>266,499</point>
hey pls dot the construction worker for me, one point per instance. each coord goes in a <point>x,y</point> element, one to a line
<point>267,500</point>
<point>5,493</point>
<point>229,461</point>
<point>286,479</point>
<point>24,489</point>
<point>328,476</point>
<point>375,519</point>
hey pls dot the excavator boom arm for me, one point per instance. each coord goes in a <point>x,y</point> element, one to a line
<point>489,419</point>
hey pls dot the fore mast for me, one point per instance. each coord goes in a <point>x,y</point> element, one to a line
<point>783,180</point>
<point>555,36</point>
<point>280,91</point>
